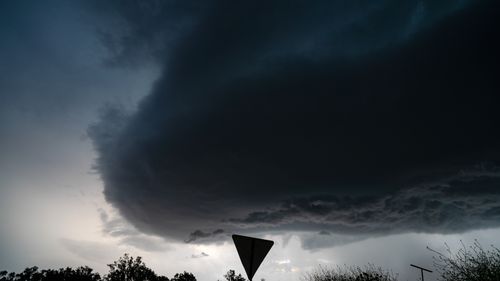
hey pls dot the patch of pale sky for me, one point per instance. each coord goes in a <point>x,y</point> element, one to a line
<point>61,229</point>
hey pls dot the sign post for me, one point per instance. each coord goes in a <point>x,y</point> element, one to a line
<point>252,252</point>
<point>421,270</point>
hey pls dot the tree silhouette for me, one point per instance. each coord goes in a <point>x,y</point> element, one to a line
<point>29,274</point>
<point>83,273</point>
<point>6,276</point>
<point>185,276</point>
<point>231,276</point>
<point>472,263</point>
<point>127,268</point>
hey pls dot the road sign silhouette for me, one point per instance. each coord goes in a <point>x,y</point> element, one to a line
<point>252,252</point>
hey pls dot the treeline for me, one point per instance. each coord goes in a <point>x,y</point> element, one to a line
<point>126,268</point>
<point>469,263</point>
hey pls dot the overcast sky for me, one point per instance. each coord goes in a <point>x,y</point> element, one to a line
<point>350,132</point>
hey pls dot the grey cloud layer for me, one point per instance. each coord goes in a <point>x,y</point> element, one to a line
<point>311,105</point>
<point>466,201</point>
<point>199,34</point>
<point>117,227</point>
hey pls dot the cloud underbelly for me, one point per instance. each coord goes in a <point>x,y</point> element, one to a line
<point>379,143</point>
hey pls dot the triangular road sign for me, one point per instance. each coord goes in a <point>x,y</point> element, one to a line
<point>252,252</point>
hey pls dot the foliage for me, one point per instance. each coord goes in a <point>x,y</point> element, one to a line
<point>472,263</point>
<point>83,273</point>
<point>350,273</point>
<point>231,276</point>
<point>127,268</point>
<point>185,276</point>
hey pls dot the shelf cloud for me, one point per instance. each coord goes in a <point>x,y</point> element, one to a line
<point>328,117</point>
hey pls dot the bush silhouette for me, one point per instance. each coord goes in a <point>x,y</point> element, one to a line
<point>126,268</point>
<point>231,276</point>
<point>350,273</point>
<point>472,263</point>
<point>83,273</point>
<point>185,276</point>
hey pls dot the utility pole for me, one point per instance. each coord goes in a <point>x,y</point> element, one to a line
<point>421,270</point>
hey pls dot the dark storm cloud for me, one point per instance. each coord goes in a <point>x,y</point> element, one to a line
<point>137,31</point>
<point>199,33</point>
<point>434,208</point>
<point>348,118</point>
<point>199,234</point>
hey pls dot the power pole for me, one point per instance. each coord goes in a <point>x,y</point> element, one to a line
<point>421,270</point>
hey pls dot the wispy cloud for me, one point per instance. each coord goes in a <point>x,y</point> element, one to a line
<point>129,235</point>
